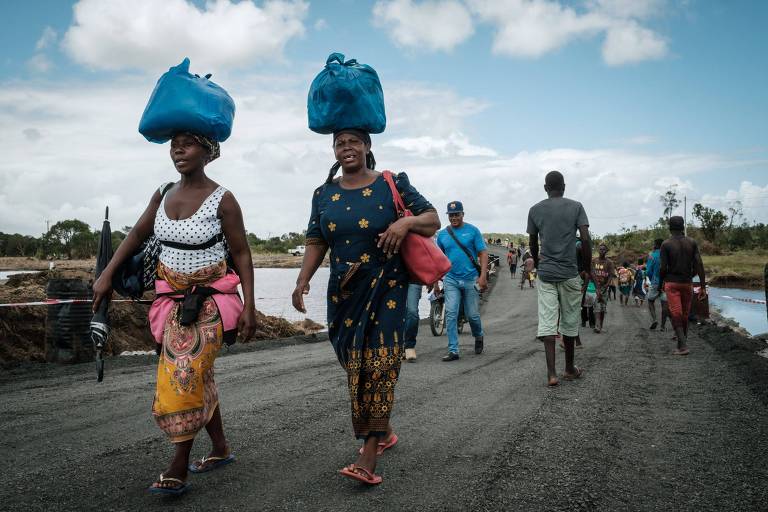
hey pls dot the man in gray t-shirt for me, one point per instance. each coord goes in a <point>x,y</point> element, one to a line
<point>554,222</point>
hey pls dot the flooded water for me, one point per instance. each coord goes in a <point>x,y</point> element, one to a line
<point>274,287</point>
<point>735,303</point>
<point>4,274</point>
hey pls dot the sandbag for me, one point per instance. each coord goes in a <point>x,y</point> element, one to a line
<point>346,95</point>
<point>183,102</point>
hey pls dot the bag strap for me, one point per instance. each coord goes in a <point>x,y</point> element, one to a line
<point>399,204</point>
<point>466,251</point>
<point>194,247</point>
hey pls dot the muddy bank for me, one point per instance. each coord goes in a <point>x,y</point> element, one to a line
<point>22,329</point>
<point>741,350</point>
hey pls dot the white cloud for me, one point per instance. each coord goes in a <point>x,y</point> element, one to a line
<point>456,144</point>
<point>40,63</point>
<point>437,25</point>
<point>147,34</point>
<point>321,24</point>
<point>753,199</point>
<point>47,38</point>
<point>629,42</point>
<point>532,28</point>
<point>93,156</point>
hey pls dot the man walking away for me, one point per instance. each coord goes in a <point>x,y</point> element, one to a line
<point>680,261</point>
<point>512,260</point>
<point>412,321</point>
<point>464,246</point>
<point>556,220</point>
<point>602,273</point>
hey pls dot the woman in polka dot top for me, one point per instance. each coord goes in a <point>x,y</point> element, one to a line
<point>191,216</point>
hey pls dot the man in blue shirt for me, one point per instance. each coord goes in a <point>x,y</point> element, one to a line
<point>464,246</point>
<point>654,290</point>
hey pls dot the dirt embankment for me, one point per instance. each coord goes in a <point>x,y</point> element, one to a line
<point>271,260</point>
<point>22,329</point>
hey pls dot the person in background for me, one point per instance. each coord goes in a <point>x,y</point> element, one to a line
<point>613,285</point>
<point>652,273</point>
<point>528,273</point>
<point>680,261</point>
<point>463,244</point>
<point>412,320</point>
<point>602,274</point>
<point>512,260</point>
<point>626,278</point>
<point>555,221</point>
<point>587,298</point>
<point>638,293</point>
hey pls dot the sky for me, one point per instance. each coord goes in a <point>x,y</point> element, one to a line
<point>627,98</point>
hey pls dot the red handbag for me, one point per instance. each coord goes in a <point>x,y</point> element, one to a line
<point>424,260</point>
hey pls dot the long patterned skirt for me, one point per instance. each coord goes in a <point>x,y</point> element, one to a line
<point>186,395</point>
<point>366,311</point>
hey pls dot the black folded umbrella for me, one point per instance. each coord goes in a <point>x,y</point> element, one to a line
<point>100,320</point>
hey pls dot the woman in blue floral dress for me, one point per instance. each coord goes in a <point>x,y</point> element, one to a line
<point>355,217</point>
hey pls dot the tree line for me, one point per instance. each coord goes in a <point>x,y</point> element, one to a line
<point>716,230</point>
<point>74,239</point>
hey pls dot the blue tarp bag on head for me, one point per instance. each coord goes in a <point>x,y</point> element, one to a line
<point>183,102</point>
<point>346,95</point>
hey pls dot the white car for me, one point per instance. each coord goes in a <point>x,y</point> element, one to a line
<point>297,251</point>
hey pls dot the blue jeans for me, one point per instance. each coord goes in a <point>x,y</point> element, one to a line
<point>456,291</point>
<point>412,315</point>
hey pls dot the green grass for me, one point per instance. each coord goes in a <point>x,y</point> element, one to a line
<point>746,264</point>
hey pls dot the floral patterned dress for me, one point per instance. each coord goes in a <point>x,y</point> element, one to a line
<point>366,292</point>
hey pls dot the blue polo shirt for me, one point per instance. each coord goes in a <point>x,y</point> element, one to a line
<point>461,268</point>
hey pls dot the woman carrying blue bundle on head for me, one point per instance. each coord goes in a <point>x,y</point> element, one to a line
<point>200,228</point>
<point>354,216</point>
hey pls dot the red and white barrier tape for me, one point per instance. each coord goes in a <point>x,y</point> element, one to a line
<point>751,301</point>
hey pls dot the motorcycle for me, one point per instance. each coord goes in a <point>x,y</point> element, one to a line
<point>437,312</point>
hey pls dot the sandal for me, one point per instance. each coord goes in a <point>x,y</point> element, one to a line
<point>177,490</point>
<point>361,474</point>
<point>210,463</point>
<point>384,445</point>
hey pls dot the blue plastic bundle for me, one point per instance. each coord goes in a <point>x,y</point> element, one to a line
<point>183,102</point>
<point>346,95</point>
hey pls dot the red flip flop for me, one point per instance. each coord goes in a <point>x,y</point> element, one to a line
<point>361,475</point>
<point>384,445</point>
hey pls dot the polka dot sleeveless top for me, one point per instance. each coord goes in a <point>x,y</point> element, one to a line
<point>197,229</point>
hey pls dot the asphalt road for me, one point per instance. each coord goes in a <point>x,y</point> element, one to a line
<point>642,430</point>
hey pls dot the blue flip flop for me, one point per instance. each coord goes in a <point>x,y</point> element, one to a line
<point>177,491</point>
<point>210,463</point>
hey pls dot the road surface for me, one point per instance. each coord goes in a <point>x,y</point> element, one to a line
<point>643,430</point>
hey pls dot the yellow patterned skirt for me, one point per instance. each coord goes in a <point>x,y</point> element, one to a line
<point>186,395</point>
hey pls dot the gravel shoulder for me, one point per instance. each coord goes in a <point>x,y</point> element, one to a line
<point>641,431</point>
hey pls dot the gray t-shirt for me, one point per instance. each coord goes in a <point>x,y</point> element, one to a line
<point>555,220</point>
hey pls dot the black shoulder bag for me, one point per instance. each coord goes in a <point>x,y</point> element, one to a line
<point>466,251</point>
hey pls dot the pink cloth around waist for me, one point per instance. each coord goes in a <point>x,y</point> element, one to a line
<point>229,304</point>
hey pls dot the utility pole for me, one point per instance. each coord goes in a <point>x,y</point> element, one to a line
<point>685,215</point>
<point>47,226</point>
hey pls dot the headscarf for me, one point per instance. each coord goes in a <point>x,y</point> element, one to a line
<point>212,146</point>
<point>370,161</point>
